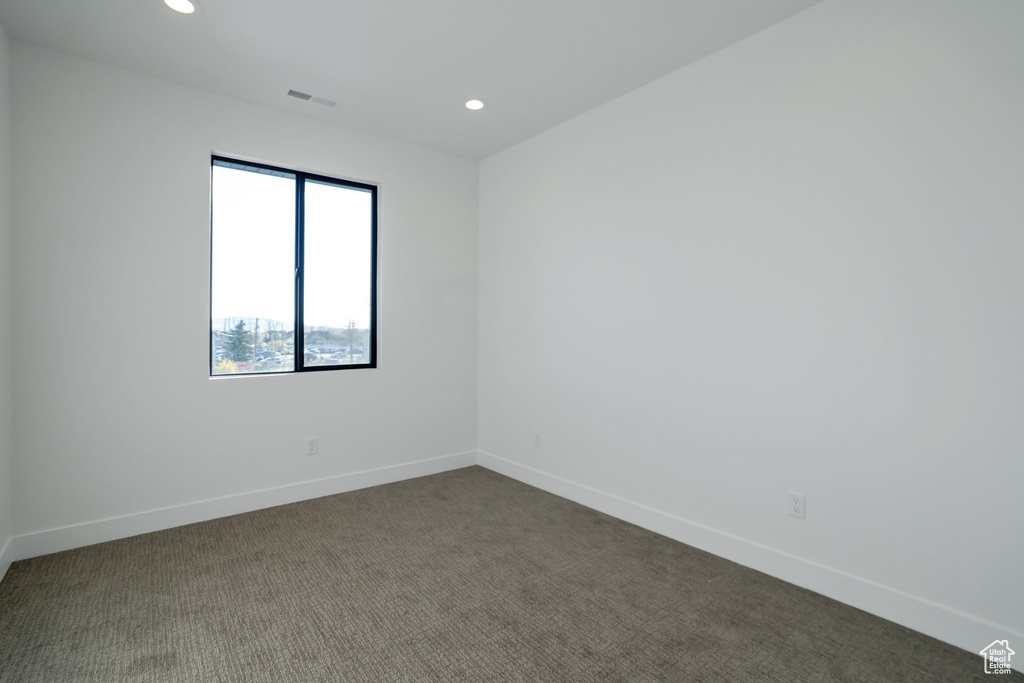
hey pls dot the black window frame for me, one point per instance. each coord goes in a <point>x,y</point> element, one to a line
<point>299,280</point>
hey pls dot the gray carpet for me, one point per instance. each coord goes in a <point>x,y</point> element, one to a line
<point>462,576</point>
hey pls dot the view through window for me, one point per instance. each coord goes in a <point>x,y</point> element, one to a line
<point>290,251</point>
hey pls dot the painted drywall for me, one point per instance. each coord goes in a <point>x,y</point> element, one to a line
<point>116,412</point>
<point>794,265</point>
<point>6,297</point>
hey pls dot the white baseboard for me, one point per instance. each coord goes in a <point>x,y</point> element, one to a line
<point>24,546</point>
<point>938,621</point>
<point>5,559</point>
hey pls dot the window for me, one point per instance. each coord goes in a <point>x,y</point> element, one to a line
<point>292,271</point>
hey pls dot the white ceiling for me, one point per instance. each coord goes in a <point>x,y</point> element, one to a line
<point>403,68</point>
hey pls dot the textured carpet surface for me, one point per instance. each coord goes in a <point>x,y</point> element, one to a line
<point>462,576</point>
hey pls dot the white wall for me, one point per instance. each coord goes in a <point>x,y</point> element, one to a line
<point>794,265</point>
<point>116,412</point>
<point>6,287</point>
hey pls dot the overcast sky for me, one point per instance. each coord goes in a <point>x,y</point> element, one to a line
<point>254,247</point>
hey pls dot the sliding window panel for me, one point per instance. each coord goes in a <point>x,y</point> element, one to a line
<point>337,275</point>
<point>252,270</point>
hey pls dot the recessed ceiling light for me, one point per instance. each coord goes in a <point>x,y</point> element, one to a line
<point>475,104</point>
<point>183,6</point>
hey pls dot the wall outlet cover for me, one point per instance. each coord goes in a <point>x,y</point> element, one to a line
<point>797,504</point>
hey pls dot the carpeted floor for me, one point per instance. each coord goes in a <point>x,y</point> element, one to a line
<point>462,576</point>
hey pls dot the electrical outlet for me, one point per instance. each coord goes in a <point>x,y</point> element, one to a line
<point>312,446</point>
<point>536,439</point>
<point>797,504</point>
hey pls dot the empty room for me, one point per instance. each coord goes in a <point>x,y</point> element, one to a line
<point>466,340</point>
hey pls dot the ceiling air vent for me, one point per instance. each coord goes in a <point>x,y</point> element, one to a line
<point>312,98</point>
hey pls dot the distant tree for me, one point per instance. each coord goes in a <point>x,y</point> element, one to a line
<point>225,367</point>
<point>237,346</point>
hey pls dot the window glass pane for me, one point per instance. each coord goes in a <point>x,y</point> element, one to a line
<point>337,280</point>
<point>253,270</point>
